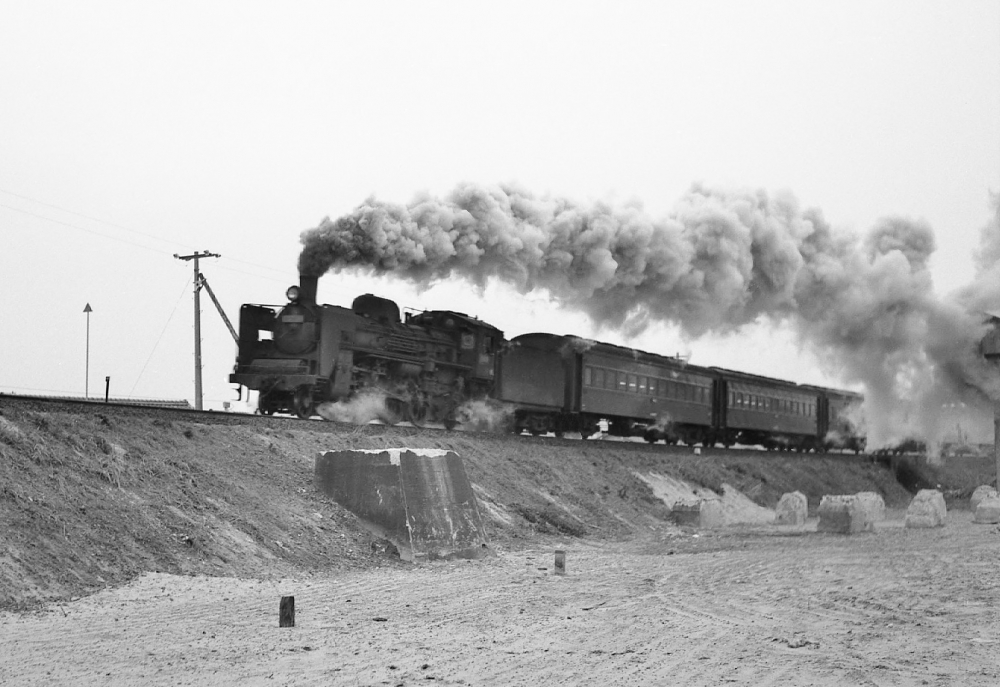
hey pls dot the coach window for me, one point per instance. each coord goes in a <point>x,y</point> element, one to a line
<point>632,383</point>
<point>622,382</point>
<point>588,376</point>
<point>642,384</point>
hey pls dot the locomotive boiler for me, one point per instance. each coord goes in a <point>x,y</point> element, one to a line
<point>304,354</point>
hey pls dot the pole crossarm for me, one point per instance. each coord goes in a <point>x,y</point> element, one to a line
<point>196,255</point>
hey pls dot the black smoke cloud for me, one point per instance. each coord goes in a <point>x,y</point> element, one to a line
<point>720,260</point>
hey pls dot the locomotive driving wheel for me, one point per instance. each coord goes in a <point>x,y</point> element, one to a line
<point>302,402</point>
<point>417,410</point>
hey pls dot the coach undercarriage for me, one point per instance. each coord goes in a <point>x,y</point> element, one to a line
<point>539,422</point>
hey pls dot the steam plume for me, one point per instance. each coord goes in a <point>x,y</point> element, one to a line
<point>720,260</point>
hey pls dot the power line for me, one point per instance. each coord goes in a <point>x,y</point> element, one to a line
<point>268,268</point>
<point>80,214</point>
<point>155,345</point>
<point>76,226</point>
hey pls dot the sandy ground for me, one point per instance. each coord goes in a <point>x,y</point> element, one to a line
<point>750,605</point>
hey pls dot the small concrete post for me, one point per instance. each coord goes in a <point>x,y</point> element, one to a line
<point>286,612</point>
<point>560,562</point>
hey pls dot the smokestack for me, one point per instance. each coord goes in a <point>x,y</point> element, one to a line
<point>307,288</point>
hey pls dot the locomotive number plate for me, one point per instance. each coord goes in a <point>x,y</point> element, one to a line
<point>293,319</point>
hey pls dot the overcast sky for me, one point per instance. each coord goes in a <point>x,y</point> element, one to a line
<point>133,131</point>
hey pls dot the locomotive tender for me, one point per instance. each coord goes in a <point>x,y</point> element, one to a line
<point>428,364</point>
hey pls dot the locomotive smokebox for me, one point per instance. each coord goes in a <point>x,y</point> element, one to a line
<point>307,288</point>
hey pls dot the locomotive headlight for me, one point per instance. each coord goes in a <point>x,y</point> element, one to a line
<point>292,293</point>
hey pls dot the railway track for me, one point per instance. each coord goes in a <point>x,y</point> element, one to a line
<point>396,432</point>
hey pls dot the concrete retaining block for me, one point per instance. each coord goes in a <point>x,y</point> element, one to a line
<point>988,511</point>
<point>842,514</point>
<point>792,509</point>
<point>704,513</point>
<point>980,494</point>
<point>419,499</point>
<point>927,509</point>
<point>873,506</point>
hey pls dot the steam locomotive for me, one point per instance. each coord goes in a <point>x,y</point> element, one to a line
<point>428,364</point>
<point>304,354</point>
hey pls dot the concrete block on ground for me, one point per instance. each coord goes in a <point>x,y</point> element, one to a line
<point>988,511</point>
<point>419,499</point>
<point>927,509</point>
<point>873,506</point>
<point>841,514</point>
<point>704,513</point>
<point>981,493</point>
<point>792,509</point>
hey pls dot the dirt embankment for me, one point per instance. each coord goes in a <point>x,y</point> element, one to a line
<point>92,500</point>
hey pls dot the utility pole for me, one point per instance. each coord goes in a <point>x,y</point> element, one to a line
<point>86,388</point>
<point>197,320</point>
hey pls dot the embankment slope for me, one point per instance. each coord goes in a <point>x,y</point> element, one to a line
<point>94,499</point>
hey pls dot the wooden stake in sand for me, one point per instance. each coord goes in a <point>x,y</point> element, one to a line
<point>286,612</point>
